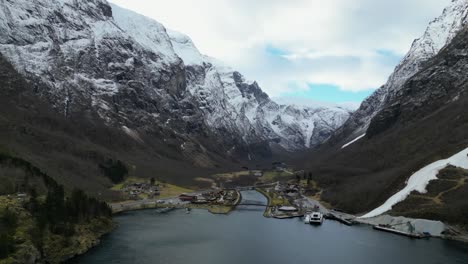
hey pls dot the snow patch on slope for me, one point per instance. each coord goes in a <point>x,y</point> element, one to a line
<point>353,141</point>
<point>419,180</point>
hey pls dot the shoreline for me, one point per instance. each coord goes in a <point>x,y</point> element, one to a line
<point>96,241</point>
<point>122,207</point>
<point>126,206</point>
<point>462,237</point>
<point>422,224</point>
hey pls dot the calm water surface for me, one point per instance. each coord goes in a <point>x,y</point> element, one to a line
<point>245,237</point>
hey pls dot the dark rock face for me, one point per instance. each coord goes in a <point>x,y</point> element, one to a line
<point>250,89</point>
<point>385,119</point>
<point>106,9</point>
<point>86,63</point>
<point>442,81</point>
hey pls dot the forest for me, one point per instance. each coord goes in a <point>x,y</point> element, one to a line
<point>54,212</point>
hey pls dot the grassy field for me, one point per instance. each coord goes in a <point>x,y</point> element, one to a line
<point>231,175</point>
<point>272,176</point>
<point>273,198</point>
<point>170,190</point>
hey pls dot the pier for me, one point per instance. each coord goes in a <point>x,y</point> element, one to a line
<point>398,232</point>
<point>338,218</point>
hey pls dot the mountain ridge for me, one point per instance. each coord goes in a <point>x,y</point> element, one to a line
<point>439,33</point>
<point>424,121</point>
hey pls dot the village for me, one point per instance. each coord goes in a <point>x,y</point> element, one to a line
<point>138,194</point>
<point>289,194</point>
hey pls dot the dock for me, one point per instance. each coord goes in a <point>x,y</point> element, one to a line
<point>398,232</point>
<point>340,219</point>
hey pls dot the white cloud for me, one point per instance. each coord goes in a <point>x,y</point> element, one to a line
<point>332,42</point>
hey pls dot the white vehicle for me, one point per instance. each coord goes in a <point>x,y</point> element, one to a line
<point>316,218</point>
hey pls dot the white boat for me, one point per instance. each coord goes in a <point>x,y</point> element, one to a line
<point>316,218</point>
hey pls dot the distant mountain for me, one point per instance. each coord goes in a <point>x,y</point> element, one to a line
<point>230,102</point>
<point>234,107</point>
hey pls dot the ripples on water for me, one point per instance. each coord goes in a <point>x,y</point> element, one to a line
<point>245,237</point>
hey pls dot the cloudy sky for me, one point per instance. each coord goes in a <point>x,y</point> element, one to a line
<point>331,51</point>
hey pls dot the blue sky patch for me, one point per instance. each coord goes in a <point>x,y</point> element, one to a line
<point>329,93</point>
<point>272,50</point>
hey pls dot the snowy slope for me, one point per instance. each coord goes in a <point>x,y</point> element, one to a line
<point>438,34</point>
<point>97,58</point>
<point>419,180</point>
<point>86,59</point>
<point>152,35</point>
<point>185,48</point>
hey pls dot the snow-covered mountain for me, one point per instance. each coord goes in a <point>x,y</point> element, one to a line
<point>438,34</point>
<point>229,101</point>
<point>93,57</point>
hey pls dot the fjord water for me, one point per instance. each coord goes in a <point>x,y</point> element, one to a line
<point>245,236</point>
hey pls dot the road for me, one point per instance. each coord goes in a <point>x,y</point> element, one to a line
<point>310,203</point>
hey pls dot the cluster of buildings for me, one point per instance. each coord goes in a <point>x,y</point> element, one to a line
<point>136,190</point>
<point>288,190</point>
<point>222,197</point>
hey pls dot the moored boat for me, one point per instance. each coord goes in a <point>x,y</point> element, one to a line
<point>316,218</point>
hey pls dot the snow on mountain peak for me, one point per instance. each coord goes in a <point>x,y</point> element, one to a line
<point>438,34</point>
<point>185,48</point>
<point>146,31</point>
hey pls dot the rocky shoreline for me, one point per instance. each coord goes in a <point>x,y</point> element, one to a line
<point>88,241</point>
<point>59,249</point>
